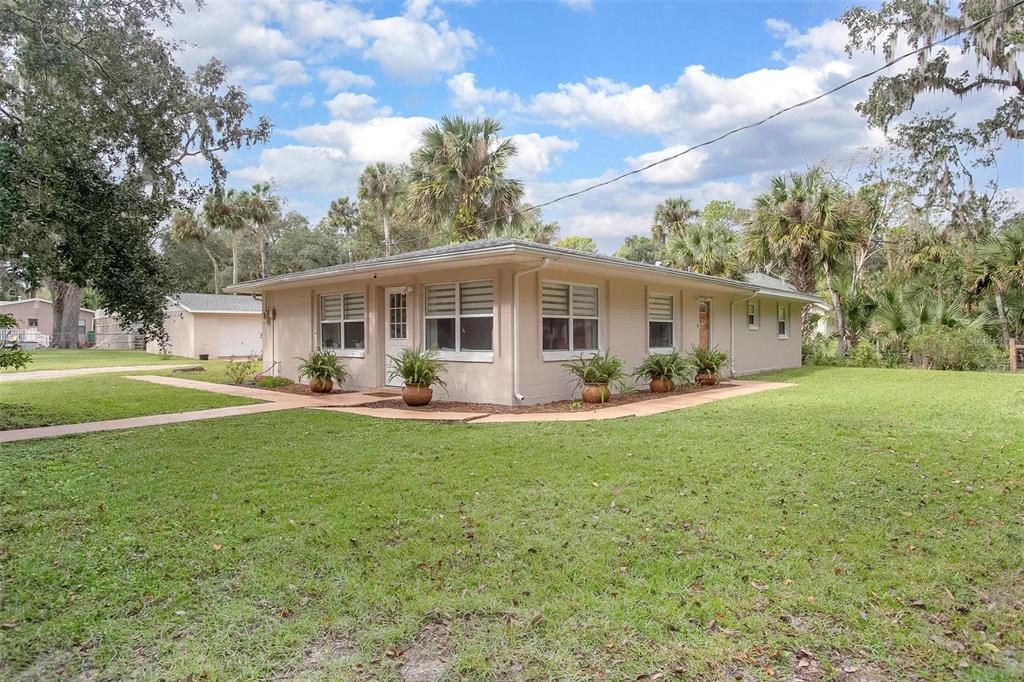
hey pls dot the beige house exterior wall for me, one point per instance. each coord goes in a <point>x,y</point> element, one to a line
<point>42,310</point>
<point>180,333</point>
<point>291,329</point>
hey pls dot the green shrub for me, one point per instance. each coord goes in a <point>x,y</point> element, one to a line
<point>818,349</point>
<point>962,349</point>
<point>708,360</point>
<point>323,365</point>
<point>240,371</point>
<point>864,354</point>
<point>273,382</point>
<point>600,368</point>
<point>418,368</point>
<point>14,357</point>
<point>671,366</point>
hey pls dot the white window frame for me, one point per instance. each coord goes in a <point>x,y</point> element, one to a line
<point>754,310</point>
<point>661,349</point>
<point>342,352</point>
<point>562,355</point>
<point>459,355</point>
<point>784,318</point>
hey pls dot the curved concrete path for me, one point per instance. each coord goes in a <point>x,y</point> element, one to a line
<point>350,403</point>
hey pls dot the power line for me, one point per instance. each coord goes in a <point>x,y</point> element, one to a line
<point>748,126</point>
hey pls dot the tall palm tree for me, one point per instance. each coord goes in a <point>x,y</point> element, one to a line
<point>670,218</point>
<point>383,185</point>
<point>532,229</point>
<point>707,248</point>
<point>222,212</point>
<point>458,177</point>
<point>261,208</point>
<point>805,225</point>
<point>998,265</point>
<point>185,228</point>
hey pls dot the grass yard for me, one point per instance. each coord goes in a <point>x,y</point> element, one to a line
<point>47,358</point>
<point>72,400</point>
<point>866,523</point>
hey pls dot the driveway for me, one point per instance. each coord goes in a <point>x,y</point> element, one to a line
<point>80,371</point>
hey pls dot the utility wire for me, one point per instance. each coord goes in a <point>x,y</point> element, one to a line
<point>748,126</point>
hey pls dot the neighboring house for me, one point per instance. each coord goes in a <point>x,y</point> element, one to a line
<point>215,325</point>
<point>35,321</point>
<point>112,335</point>
<point>505,313</point>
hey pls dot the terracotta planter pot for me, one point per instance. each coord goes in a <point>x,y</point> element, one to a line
<point>321,385</point>
<point>706,378</point>
<point>417,396</point>
<point>661,385</point>
<point>596,393</point>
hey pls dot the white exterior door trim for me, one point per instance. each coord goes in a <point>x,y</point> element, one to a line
<point>396,327</point>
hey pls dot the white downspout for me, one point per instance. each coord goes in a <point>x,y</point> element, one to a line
<point>515,324</point>
<point>732,332</point>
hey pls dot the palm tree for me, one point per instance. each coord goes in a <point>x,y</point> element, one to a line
<point>458,177</point>
<point>184,228</point>
<point>707,248</point>
<point>670,218</point>
<point>805,224</point>
<point>261,208</point>
<point>383,185</point>
<point>998,265</point>
<point>222,212</point>
<point>531,229</point>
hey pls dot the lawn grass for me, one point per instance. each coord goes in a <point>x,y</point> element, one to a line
<point>863,523</point>
<point>72,400</point>
<point>47,358</point>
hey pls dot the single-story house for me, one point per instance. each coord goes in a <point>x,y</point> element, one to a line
<point>35,321</point>
<point>215,325</point>
<point>505,313</point>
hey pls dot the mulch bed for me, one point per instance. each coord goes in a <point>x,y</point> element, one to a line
<point>558,406</point>
<point>297,389</point>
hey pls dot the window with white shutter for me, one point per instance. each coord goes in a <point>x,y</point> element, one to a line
<point>569,317</point>
<point>660,322</point>
<point>343,321</point>
<point>459,316</point>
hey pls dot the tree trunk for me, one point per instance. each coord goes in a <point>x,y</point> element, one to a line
<point>1003,322</point>
<point>263,257</point>
<point>387,232</point>
<point>67,305</point>
<point>234,257</point>
<point>842,334</point>
<point>216,270</point>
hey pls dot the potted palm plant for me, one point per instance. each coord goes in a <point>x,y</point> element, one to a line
<point>663,370</point>
<point>322,367</point>
<point>595,373</point>
<point>708,362</point>
<point>419,369</point>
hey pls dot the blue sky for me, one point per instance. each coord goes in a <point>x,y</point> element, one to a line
<point>586,90</point>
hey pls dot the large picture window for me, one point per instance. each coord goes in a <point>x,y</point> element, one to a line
<point>569,317</point>
<point>660,322</point>
<point>343,321</point>
<point>460,317</point>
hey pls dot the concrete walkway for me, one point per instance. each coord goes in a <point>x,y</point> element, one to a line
<point>79,371</point>
<point>350,403</point>
<point>642,408</point>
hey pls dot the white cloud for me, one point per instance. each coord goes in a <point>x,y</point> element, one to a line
<point>301,167</point>
<point>466,96</point>
<point>537,154</point>
<point>341,79</point>
<point>355,107</point>
<point>381,138</point>
<point>411,48</point>
<point>578,4</point>
<point>679,171</point>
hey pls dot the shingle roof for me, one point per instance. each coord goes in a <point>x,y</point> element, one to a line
<point>768,282</point>
<point>210,303</point>
<point>504,243</point>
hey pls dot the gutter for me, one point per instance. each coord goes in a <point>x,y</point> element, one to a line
<point>732,330</point>
<point>545,262</point>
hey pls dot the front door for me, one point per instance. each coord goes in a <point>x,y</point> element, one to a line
<point>396,328</point>
<point>704,323</point>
